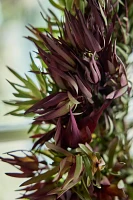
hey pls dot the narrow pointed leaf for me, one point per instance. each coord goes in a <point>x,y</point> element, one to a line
<point>41,177</point>
<point>57,149</point>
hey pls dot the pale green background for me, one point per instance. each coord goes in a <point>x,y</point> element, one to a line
<point>14,52</point>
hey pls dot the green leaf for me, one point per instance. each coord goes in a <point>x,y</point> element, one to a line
<point>103,15</point>
<point>33,126</point>
<point>88,167</point>
<point>69,4</point>
<point>23,94</point>
<point>30,102</point>
<point>98,179</point>
<point>17,75</point>
<point>79,167</point>
<point>112,149</point>
<point>65,165</point>
<point>70,177</point>
<point>16,112</point>
<point>56,5</point>
<point>57,149</point>
<point>130,191</point>
<point>83,6</point>
<point>54,16</point>
<point>122,52</point>
<point>30,84</point>
<point>40,177</point>
<point>85,149</point>
<point>86,192</point>
<point>12,103</point>
<point>39,77</point>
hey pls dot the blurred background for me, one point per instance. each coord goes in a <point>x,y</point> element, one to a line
<point>14,52</point>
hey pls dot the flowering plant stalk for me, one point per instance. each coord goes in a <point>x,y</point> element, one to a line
<point>79,105</point>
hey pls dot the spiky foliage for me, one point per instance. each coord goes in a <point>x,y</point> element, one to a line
<point>78,106</point>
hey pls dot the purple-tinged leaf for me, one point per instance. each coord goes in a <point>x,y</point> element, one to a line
<point>26,164</point>
<point>113,190</point>
<point>77,33</point>
<point>111,67</point>
<point>45,137</point>
<point>88,75</point>
<point>118,166</point>
<point>105,181</point>
<point>69,186</point>
<point>58,135</point>
<point>75,135</point>
<point>94,73</point>
<point>123,80</point>
<point>110,31</point>
<point>61,96</point>
<point>70,176</point>
<point>40,189</point>
<point>117,93</point>
<point>71,135</point>
<point>20,175</point>
<point>40,103</point>
<point>62,64</point>
<point>37,135</point>
<point>72,99</point>
<point>96,67</point>
<point>91,42</point>
<point>68,29</point>
<point>67,78</point>
<point>30,188</point>
<point>63,110</point>
<point>84,90</point>
<point>56,77</point>
<point>92,119</point>
<point>86,134</point>
<point>57,48</point>
<point>65,165</point>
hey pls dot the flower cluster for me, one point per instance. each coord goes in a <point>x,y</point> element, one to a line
<point>84,65</point>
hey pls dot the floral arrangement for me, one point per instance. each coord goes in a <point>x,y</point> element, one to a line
<point>80,135</point>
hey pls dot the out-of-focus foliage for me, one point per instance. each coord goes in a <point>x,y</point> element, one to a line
<point>79,104</point>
